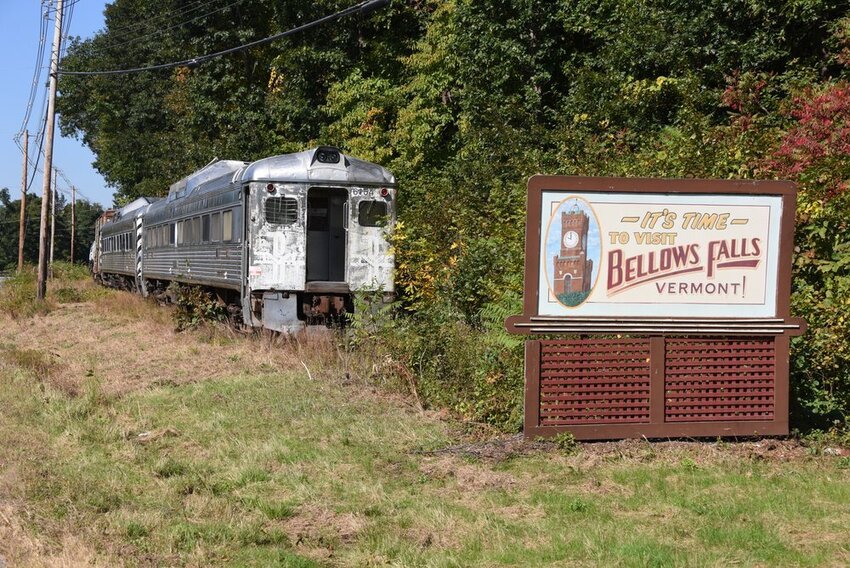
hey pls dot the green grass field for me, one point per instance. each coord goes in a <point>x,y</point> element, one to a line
<point>247,460</point>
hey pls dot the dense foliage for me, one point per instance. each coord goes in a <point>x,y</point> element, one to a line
<point>464,100</point>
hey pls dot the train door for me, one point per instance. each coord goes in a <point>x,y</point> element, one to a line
<point>326,234</point>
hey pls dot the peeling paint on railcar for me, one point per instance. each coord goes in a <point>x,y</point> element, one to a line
<point>276,260</point>
<point>370,262</point>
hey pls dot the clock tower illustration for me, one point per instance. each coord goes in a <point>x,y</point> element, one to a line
<point>573,270</point>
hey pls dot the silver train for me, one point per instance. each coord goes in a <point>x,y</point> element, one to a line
<point>284,241</point>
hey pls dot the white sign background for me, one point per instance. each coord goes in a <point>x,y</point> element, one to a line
<point>628,281</point>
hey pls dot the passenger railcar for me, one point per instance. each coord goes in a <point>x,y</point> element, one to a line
<point>284,241</point>
<point>117,248</point>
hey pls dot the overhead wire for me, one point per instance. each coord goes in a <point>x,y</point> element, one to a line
<point>162,18</point>
<point>362,7</point>
<point>36,78</point>
<point>161,31</point>
<point>39,138</point>
<point>66,5</point>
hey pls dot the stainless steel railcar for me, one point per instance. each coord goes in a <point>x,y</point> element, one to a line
<point>287,239</point>
<point>116,247</point>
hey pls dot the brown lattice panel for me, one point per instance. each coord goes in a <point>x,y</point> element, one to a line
<point>594,382</point>
<point>719,379</point>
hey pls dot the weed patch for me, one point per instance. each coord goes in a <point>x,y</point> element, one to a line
<point>37,362</point>
<point>18,296</point>
<point>195,306</point>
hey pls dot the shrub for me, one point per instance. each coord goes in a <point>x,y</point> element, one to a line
<point>195,305</point>
<point>18,295</point>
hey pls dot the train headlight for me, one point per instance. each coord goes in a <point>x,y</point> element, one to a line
<point>271,188</point>
<point>327,156</point>
<point>385,192</point>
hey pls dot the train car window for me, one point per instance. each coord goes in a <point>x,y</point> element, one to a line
<point>205,228</point>
<point>215,227</point>
<point>180,232</point>
<point>172,234</point>
<point>281,210</point>
<point>196,230</point>
<point>371,213</point>
<point>227,226</point>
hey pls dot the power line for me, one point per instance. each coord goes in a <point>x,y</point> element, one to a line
<point>363,7</point>
<point>59,172</point>
<point>163,30</point>
<point>68,5</point>
<point>154,20</point>
<point>36,77</point>
<point>148,26</point>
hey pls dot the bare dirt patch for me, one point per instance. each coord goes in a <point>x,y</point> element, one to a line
<point>18,548</point>
<point>587,454</point>
<point>468,476</point>
<point>317,531</point>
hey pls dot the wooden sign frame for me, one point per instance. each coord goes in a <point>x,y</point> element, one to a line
<point>661,375</point>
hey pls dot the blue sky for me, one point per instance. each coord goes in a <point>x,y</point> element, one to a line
<point>19,37</point>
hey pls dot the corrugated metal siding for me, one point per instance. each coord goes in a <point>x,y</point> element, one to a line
<point>211,265</point>
<point>122,262</point>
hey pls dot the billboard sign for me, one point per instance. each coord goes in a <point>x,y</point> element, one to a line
<point>662,307</point>
<point>654,254</point>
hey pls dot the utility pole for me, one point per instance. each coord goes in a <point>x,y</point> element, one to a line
<point>73,219</point>
<point>22,228</point>
<point>41,291</point>
<point>52,224</point>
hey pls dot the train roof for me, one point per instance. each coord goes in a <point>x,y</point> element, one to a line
<point>213,170</point>
<point>317,165</point>
<point>323,164</point>
<point>137,203</point>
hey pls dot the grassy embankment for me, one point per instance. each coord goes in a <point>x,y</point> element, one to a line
<point>123,442</point>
